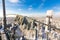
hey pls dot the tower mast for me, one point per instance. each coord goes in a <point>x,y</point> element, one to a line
<point>4,14</point>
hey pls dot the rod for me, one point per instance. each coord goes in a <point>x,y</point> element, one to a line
<point>4,14</point>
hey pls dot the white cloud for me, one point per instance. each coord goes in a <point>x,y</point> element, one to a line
<point>42,4</point>
<point>7,12</point>
<point>1,12</point>
<point>57,14</point>
<point>38,15</point>
<point>0,4</point>
<point>57,11</point>
<point>30,7</point>
<point>20,9</point>
<point>13,1</point>
<point>56,8</point>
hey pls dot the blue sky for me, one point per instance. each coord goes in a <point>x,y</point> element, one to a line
<point>31,6</point>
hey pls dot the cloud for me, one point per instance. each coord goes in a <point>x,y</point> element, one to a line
<point>11,12</point>
<point>1,12</point>
<point>37,15</point>
<point>57,14</point>
<point>30,7</point>
<point>0,4</point>
<point>42,4</point>
<point>56,8</point>
<point>13,1</point>
<point>57,11</point>
<point>20,9</point>
<point>7,12</point>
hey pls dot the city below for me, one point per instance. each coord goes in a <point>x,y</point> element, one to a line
<point>20,27</point>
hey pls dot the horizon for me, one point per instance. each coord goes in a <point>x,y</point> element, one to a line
<point>29,15</point>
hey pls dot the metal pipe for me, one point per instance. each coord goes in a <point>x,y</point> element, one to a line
<point>36,34</point>
<point>4,14</point>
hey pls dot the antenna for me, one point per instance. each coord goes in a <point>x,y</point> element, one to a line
<point>4,14</point>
